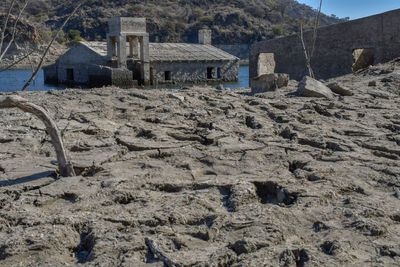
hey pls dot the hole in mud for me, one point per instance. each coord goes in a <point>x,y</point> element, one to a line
<point>271,193</point>
<point>226,194</point>
<point>169,188</point>
<point>124,198</point>
<point>319,226</point>
<point>83,250</point>
<point>330,247</point>
<point>293,257</point>
<point>87,171</point>
<point>71,197</point>
<point>148,134</point>
<point>294,165</point>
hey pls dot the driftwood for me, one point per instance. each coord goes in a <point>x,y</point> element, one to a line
<point>160,255</point>
<point>65,167</point>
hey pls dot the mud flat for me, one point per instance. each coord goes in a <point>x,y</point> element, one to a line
<point>211,178</point>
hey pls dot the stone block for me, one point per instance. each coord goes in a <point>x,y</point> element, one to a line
<point>312,88</point>
<point>340,89</point>
<point>269,82</point>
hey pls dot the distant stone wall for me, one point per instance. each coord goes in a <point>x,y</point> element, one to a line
<point>193,72</point>
<point>334,47</point>
<point>241,51</point>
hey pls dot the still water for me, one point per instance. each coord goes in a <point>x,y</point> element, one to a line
<point>14,80</point>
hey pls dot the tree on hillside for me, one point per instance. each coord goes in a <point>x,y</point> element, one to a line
<point>15,9</point>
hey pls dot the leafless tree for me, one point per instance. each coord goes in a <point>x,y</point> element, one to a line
<point>309,53</point>
<point>65,167</point>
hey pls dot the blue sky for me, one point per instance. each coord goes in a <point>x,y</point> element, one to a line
<point>353,8</point>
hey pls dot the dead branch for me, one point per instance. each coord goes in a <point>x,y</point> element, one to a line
<point>39,66</point>
<point>17,61</point>
<point>14,29</point>
<point>315,30</point>
<point>5,23</point>
<point>308,63</point>
<point>309,53</point>
<point>65,167</point>
<point>160,255</point>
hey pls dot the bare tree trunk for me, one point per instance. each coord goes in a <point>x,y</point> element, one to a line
<point>310,53</point>
<point>65,167</point>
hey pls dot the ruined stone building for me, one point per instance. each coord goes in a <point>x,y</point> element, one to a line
<point>340,48</point>
<point>128,58</point>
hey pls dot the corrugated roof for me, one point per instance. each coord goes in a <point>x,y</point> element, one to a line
<point>161,52</point>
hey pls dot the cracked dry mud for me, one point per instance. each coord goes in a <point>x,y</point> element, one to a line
<point>216,178</point>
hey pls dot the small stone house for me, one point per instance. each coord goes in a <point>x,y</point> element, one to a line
<point>128,58</point>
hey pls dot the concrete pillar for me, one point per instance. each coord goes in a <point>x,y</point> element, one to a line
<point>145,59</point>
<point>121,50</point>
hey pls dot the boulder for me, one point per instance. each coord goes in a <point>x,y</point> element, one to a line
<point>269,82</point>
<point>340,89</point>
<point>312,88</point>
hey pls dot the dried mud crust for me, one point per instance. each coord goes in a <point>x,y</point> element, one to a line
<point>216,178</point>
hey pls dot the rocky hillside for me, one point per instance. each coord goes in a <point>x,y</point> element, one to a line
<point>212,178</point>
<point>232,21</point>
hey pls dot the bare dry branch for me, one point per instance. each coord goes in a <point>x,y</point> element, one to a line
<point>14,30</point>
<point>5,23</point>
<point>160,255</point>
<point>39,66</point>
<point>315,32</point>
<point>17,61</point>
<point>65,167</point>
<point>309,53</point>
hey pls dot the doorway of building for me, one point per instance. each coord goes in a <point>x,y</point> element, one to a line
<point>151,76</point>
<point>362,58</point>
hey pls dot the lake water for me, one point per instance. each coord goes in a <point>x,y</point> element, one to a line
<point>14,80</point>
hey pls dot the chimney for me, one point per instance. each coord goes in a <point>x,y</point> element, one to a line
<point>205,36</point>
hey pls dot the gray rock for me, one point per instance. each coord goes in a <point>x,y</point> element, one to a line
<point>372,83</point>
<point>220,87</point>
<point>176,96</point>
<point>269,82</point>
<point>312,88</point>
<point>340,89</point>
<point>379,93</point>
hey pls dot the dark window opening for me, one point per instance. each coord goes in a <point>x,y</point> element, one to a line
<point>70,74</point>
<point>219,73</point>
<point>167,75</point>
<point>210,73</point>
<point>363,58</point>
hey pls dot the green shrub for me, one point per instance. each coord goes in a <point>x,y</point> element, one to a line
<point>277,30</point>
<point>206,19</point>
<point>74,36</point>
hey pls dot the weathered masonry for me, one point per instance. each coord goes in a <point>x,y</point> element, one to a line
<point>128,58</point>
<point>340,49</point>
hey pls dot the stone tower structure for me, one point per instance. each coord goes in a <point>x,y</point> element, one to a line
<point>132,31</point>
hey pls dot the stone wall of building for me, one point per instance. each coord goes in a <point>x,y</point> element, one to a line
<point>193,72</point>
<point>335,47</point>
<point>73,67</point>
